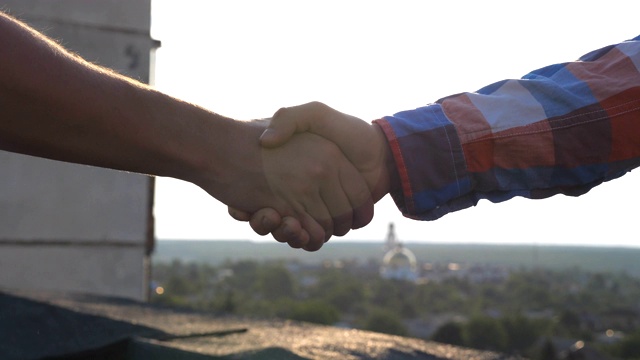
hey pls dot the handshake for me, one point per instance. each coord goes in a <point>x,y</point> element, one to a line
<point>313,172</point>
<point>322,171</point>
<point>310,173</point>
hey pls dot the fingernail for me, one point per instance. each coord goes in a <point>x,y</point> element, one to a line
<point>266,222</point>
<point>288,232</point>
<point>265,133</point>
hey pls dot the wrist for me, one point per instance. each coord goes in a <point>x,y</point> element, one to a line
<point>392,170</point>
<point>227,159</point>
<point>389,179</point>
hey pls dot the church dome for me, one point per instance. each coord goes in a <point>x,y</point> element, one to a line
<point>399,263</point>
<point>399,256</point>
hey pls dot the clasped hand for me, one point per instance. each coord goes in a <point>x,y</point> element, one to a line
<point>329,167</point>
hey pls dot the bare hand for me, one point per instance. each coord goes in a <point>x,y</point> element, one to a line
<point>309,182</point>
<point>362,143</point>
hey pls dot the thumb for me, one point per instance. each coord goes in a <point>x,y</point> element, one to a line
<point>239,214</point>
<point>274,136</point>
<point>282,127</point>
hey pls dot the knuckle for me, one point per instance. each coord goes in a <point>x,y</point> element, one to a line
<point>318,170</point>
<point>317,105</point>
<point>280,113</point>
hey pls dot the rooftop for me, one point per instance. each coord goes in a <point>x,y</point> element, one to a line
<point>45,325</point>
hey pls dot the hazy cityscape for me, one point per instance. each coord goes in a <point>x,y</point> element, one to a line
<point>536,302</point>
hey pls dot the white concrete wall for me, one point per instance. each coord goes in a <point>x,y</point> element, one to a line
<point>71,227</point>
<point>111,270</point>
<point>43,200</point>
<point>119,15</point>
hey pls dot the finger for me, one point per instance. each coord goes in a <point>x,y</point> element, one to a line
<point>290,231</point>
<point>363,214</point>
<point>338,205</point>
<point>358,194</point>
<point>307,234</point>
<point>322,120</point>
<point>282,126</point>
<point>239,214</point>
<point>295,119</point>
<point>317,234</point>
<point>316,215</point>
<point>265,221</point>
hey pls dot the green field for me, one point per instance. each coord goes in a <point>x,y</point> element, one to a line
<point>594,259</point>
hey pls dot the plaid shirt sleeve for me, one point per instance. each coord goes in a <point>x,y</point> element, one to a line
<point>562,129</point>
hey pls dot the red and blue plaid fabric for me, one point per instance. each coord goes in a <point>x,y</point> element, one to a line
<point>562,129</point>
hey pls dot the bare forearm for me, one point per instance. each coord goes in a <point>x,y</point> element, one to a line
<point>54,104</point>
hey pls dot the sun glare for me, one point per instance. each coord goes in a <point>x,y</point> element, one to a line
<point>246,59</point>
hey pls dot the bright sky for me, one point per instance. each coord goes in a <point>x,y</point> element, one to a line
<point>246,58</point>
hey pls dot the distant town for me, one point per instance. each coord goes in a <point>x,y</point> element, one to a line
<point>539,302</point>
<point>462,256</point>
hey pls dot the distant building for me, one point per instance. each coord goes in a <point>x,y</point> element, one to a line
<point>69,227</point>
<point>398,262</point>
<point>392,240</point>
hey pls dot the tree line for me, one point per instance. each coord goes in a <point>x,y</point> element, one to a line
<point>523,314</point>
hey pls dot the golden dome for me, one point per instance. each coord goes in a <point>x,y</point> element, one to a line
<point>399,263</point>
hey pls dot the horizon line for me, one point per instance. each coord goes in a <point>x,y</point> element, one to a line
<point>423,242</point>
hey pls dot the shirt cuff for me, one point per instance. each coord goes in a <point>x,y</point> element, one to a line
<point>430,163</point>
